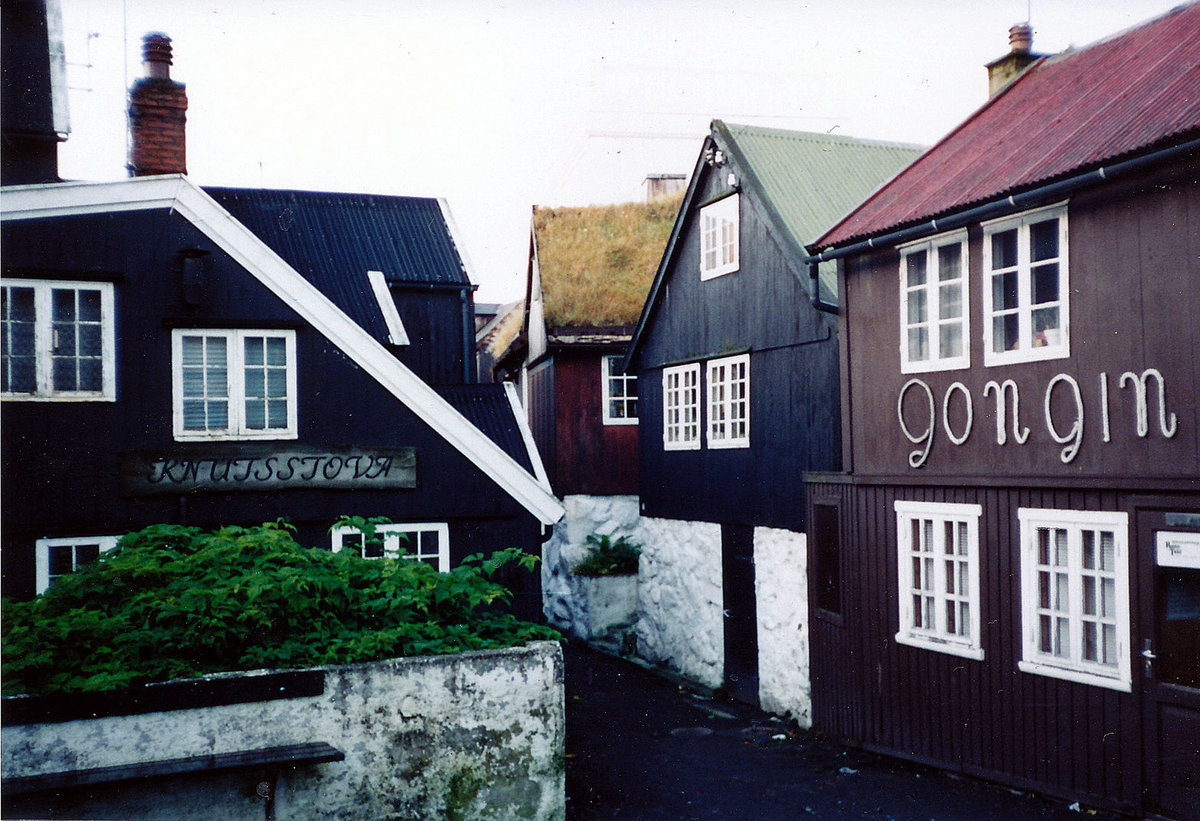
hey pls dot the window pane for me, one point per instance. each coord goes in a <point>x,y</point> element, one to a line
<point>91,374</point>
<point>89,305</point>
<point>89,340</point>
<point>950,301</point>
<point>1004,291</point>
<point>950,340</point>
<point>1006,333</point>
<point>1043,240</point>
<point>17,343</point>
<point>276,351</point>
<point>63,374</point>
<point>256,414</point>
<point>277,413</point>
<point>1045,327</point>
<point>950,262</point>
<point>193,350</point>
<point>18,304</point>
<point>253,347</point>
<point>193,415</point>
<point>62,303</point>
<point>918,310</point>
<point>276,383</point>
<point>86,554</point>
<point>1004,249</point>
<point>218,415</point>
<point>1045,283</point>
<point>64,339</point>
<point>918,344</point>
<point>1108,550</point>
<point>62,559</point>
<point>915,265</point>
<point>256,382</point>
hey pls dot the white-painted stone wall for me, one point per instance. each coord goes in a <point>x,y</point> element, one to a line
<point>476,735</point>
<point>565,600</point>
<point>680,623</point>
<point>781,591</point>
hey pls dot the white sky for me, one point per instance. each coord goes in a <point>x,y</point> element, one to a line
<point>497,105</point>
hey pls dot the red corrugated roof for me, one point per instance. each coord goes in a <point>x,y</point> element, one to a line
<point>1066,113</point>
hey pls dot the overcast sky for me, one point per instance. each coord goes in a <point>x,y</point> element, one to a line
<point>497,105</point>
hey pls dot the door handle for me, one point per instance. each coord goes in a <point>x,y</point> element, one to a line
<point>1148,657</point>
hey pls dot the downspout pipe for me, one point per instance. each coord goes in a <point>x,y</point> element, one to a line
<point>1001,205</point>
<point>814,275</point>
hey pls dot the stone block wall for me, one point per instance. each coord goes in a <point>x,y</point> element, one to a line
<point>475,735</point>
<point>781,592</point>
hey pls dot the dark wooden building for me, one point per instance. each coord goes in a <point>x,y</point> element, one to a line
<point>738,369</point>
<point>233,356</point>
<point>33,95</point>
<point>1006,578</point>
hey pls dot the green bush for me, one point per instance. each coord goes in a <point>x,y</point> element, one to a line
<point>173,601</point>
<point>606,557</point>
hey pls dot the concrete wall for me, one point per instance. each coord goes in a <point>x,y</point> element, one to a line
<point>781,590</point>
<point>565,599</point>
<point>680,623</point>
<point>476,735</point>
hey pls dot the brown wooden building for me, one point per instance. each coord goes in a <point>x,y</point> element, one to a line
<point>1006,579</point>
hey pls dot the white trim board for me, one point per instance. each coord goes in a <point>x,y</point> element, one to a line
<point>177,193</point>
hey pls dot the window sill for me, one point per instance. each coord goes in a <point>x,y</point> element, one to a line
<point>957,364</point>
<point>733,445</point>
<point>1077,676</point>
<point>26,397</point>
<point>273,436</point>
<point>950,648</point>
<point>619,422</point>
<point>1021,357</point>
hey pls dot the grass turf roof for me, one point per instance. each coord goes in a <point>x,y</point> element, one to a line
<point>598,261</point>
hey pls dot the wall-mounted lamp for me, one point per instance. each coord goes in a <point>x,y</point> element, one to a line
<point>732,180</point>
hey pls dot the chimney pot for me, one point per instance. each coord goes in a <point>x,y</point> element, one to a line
<point>1020,38</point>
<point>156,56</point>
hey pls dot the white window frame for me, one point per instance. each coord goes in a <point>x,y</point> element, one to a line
<point>681,407</point>
<point>237,429</point>
<point>728,402</point>
<point>397,335</point>
<point>43,342</point>
<point>938,587</point>
<point>1026,351</point>
<point>42,555</point>
<point>720,240</point>
<point>1074,667</point>
<point>391,534</point>
<point>932,291</point>
<point>628,384</point>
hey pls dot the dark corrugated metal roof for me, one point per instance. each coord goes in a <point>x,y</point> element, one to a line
<point>333,239</point>
<point>1129,93</point>
<point>487,407</point>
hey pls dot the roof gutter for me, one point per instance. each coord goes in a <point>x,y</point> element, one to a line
<point>992,208</point>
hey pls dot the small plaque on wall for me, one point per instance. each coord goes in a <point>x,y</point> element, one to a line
<point>266,467</point>
<point>1178,549</point>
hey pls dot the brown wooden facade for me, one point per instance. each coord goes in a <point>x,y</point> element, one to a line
<point>1093,444</point>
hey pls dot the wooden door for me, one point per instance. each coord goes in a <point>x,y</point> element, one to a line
<point>1169,654</point>
<point>740,611</point>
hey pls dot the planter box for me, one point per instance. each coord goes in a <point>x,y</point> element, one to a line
<point>608,609</point>
<point>475,735</point>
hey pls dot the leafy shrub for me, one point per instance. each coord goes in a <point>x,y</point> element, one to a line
<point>606,557</point>
<point>173,601</point>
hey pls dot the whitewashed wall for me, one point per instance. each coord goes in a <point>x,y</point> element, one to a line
<point>564,600</point>
<point>680,623</point>
<point>476,735</point>
<point>781,590</point>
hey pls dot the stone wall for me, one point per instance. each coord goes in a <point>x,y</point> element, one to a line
<point>475,735</point>
<point>565,601</point>
<point>680,623</point>
<point>781,591</point>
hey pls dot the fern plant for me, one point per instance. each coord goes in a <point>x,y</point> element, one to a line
<point>609,557</point>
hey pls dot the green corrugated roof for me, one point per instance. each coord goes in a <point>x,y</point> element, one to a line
<point>813,180</point>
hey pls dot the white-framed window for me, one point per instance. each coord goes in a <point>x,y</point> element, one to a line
<point>59,556</point>
<point>58,340</point>
<point>719,241</point>
<point>424,542</point>
<point>233,384</point>
<point>938,562</point>
<point>1075,596</point>
<point>1025,287</point>
<point>729,402</point>
<point>618,392</point>
<point>681,407</point>
<point>934,324</point>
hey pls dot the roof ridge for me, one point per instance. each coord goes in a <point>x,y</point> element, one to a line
<point>823,136</point>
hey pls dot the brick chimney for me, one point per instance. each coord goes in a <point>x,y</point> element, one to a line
<point>157,114</point>
<point>1020,56</point>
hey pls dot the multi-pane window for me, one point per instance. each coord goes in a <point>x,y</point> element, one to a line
<point>234,384</point>
<point>57,340</point>
<point>619,392</point>
<point>938,561</point>
<point>729,402</point>
<point>60,556</point>
<point>427,543</point>
<point>933,311</point>
<point>719,227</point>
<point>1075,596</point>
<point>681,407</point>
<point>1025,288</point>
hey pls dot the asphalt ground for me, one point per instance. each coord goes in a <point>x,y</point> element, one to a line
<point>643,747</point>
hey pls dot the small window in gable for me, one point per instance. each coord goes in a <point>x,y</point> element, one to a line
<point>60,556</point>
<point>933,308</point>
<point>1025,288</point>
<point>58,340</point>
<point>234,384</point>
<point>387,306</point>
<point>429,543</point>
<point>719,237</point>
<point>681,407</point>
<point>619,392</point>
<point>729,402</point>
